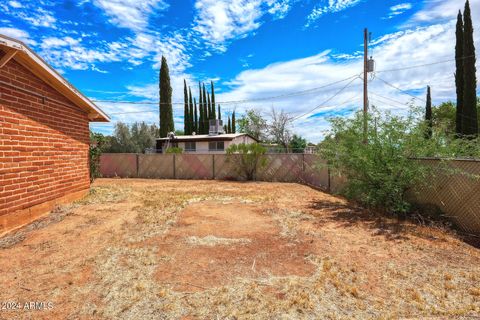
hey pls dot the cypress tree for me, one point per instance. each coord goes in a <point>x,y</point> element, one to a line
<point>225,129</point>
<point>206,116</point>
<point>191,122</point>
<point>165,106</point>
<point>212,88</point>
<point>209,104</point>
<point>459,74</point>
<point>428,115</point>
<point>234,127</point>
<point>200,107</point>
<point>469,119</point>
<point>185,108</point>
<point>229,126</point>
<point>219,113</point>
<point>196,115</point>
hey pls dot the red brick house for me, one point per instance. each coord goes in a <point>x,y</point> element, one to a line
<point>44,136</point>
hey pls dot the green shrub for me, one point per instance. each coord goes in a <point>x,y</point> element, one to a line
<point>247,158</point>
<point>174,150</point>
<point>380,173</point>
<point>97,141</point>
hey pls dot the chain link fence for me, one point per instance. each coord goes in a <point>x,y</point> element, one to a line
<point>453,187</point>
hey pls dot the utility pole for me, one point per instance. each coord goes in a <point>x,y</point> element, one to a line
<point>365,86</point>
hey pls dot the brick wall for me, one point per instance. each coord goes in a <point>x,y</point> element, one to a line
<point>43,144</point>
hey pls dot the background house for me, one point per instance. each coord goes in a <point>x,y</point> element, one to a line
<point>44,136</point>
<point>205,143</point>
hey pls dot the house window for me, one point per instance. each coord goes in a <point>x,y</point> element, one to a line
<point>216,146</point>
<point>190,146</point>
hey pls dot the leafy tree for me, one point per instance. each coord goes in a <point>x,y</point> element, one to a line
<point>247,159</point>
<point>298,144</point>
<point>469,119</point>
<point>380,173</point>
<point>459,73</point>
<point>165,107</point>
<point>279,129</point>
<point>131,139</point>
<point>234,124</point>
<point>428,115</point>
<point>443,117</point>
<point>254,124</point>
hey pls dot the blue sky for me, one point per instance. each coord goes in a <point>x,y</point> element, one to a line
<point>110,50</point>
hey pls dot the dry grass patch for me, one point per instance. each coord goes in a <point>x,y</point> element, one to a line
<point>211,241</point>
<point>150,249</point>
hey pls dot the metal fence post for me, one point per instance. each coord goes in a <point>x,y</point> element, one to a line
<point>174,171</point>
<point>138,170</point>
<point>213,166</point>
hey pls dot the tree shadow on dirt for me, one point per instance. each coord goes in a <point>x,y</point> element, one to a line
<point>352,215</point>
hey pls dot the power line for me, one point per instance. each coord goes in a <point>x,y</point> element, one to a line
<point>328,100</point>
<point>389,99</point>
<point>290,94</point>
<point>401,90</point>
<point>424,65</point>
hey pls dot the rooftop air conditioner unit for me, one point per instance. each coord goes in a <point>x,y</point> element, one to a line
<point>216,127</point>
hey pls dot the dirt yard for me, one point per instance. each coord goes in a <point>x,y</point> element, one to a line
<point>164,249</point>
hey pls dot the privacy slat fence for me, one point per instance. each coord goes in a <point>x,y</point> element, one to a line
<point>453,188</point>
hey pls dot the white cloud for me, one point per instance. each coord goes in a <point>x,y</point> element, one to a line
<point>132,14</point>
<point>279,8</point>
<point>15,4</point>
<point>218,21</point>
<point>442,10</point>
<point>71,53</point>
<point>17,34</point>
<point>30,13</point>
<point>398,9</point>
<point>332,7</point>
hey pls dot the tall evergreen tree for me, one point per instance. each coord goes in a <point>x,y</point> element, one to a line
<point>219,113</point>
<point>212,88</point>
<point>209,105</point>
<point>459,74</point>
<point>190,112</point>
<point>229,126</point>
<point>469,119</point>
<point>206,115</point>
<point>196,115</point>
<point>201,120</point>
<point>234,125</point>
<point>428,115</point>
<point>165,106</point>
<point>185,108</point>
